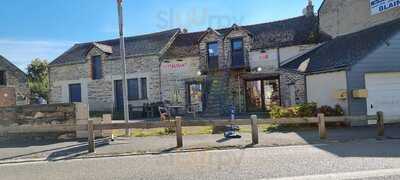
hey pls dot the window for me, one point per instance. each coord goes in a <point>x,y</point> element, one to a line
<point>137,89</point>
<point>133,89</point>
<point>213,53</point>
<point>143,82</point>
<point>96,67</point>
<point>3,80</point>
<point>75,93</point>
<point>237,52</point>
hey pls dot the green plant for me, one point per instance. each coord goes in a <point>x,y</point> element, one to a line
<point>38,81</point>
<point>301,110</point>
<point>331,111</point>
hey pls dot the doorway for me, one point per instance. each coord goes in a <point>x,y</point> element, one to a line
<point>195,97</point>
<point>261,95</point>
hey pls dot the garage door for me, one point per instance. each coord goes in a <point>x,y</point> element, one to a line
<point>383,93</point>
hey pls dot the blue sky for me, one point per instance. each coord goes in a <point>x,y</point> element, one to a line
<point>46,28</point>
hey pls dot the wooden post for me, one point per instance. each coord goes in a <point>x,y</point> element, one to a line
<point>91,137</point>
<point>321,126</point>
<point>178,131</point>
<point>380,123</point>
<point>254,129</point>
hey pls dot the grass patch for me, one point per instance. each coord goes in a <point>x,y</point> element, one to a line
<point>203,130</point>
<point>164,131</point>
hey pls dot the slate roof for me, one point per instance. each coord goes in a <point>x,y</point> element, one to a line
<point>5,64</point>
<point>136,45</point>
<point>346,50</point>
<point>289,32</point>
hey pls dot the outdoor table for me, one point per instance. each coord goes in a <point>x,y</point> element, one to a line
<point>176,109</point>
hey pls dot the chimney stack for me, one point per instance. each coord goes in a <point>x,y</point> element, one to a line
<point>309,10</point>
<point>184,30</point>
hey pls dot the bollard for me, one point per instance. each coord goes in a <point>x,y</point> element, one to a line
<point>254,129</point>
<point>321,126</point>
<point>380,123</point>
<point>91,137</point>
<point>178,132</point>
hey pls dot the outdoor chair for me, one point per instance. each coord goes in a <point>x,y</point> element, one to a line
<point>165,115</point>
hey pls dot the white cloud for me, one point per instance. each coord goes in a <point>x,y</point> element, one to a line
<point>21,52</point>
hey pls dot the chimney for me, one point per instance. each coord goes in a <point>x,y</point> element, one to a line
<point>309,10</point>
<point>184,30</point>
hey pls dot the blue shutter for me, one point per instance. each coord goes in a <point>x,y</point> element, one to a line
<point>75,93</point>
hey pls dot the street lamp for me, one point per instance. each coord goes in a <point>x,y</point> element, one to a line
<point>123,58</point>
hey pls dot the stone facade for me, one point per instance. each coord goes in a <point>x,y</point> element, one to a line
<point>99,94</point>
<point>339,17</point>
<point>175,73</point>
<point>15,79</point>
<point>7,97</point>
<point>225,86</point>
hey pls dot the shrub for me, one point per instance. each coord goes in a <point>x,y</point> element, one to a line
<point>331,111</point>
<point>304,110</point>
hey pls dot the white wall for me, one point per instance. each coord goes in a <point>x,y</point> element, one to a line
<point>269,62</point>
<point>321,88</point>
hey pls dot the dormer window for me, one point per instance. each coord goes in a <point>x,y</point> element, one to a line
<point>213,53</point>
<point>3,80</point>
<point>97,68</point>
<point>237,52</point>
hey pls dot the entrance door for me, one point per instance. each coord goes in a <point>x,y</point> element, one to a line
<point>383,93</point>
<point>195,96</point>
<point>261,95</point>
<point>118,96</point>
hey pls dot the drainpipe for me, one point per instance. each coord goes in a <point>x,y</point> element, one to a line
<point>159,79</point>
<point>278,52</point>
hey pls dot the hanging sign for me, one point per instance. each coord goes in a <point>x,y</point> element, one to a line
<point>379,6</point>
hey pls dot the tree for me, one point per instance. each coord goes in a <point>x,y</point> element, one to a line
<point>38,80</point>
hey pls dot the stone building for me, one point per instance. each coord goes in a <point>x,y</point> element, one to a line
<point>13,85</point>
<point>340,17</point>
<point>214,70</point>
<point>208,71</point>
<point>92,72</point>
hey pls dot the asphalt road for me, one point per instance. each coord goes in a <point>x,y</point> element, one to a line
<point>369,159</point>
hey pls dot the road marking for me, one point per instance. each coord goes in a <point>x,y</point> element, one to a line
<point>346,175</point>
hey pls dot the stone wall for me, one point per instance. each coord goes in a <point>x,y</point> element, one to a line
<point>7,96</point>
<point>99,94</point>
<point>338,17</point>
<point>175,73</point>
<point>38,114</point>
<point>289,78</point>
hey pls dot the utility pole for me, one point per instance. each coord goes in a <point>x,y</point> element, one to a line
<point>123,58</point>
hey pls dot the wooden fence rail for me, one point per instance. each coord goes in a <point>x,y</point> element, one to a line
<point>321,120</point>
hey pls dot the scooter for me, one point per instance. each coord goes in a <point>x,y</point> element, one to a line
<point>232,131</point>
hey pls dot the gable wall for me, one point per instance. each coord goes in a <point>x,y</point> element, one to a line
<point>99,94</point>
<point>338,17</point>
<point>16,79</point>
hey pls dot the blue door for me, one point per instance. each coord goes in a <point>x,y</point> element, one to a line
<point>118,96</point>
<point>75,93</point>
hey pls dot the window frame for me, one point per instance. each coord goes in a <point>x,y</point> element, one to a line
<point>239,62</point>
<point>3,78</point>
<point>131,96</point>
<point>141,88</point>
<point>94,74</point>
<point>212,61</point>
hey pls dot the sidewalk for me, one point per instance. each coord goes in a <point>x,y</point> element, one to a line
<point>11,151</point>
